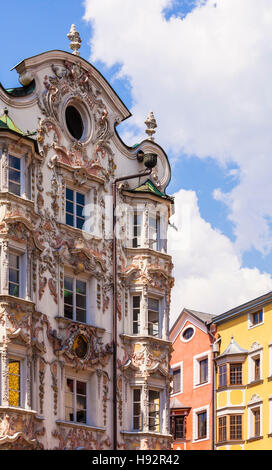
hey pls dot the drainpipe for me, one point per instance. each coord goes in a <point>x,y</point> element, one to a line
<point>214,354</point>
<point>114,316</point>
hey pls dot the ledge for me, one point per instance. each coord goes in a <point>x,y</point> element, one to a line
<point>147,433</point>
<point>145,338</point>
<point>256,438</point>
<point>147,251</point>
<point>75,322</point>
<point>88,427</point>
<point>231,387</point>
<point>14,409</point>
<point>255,382</point>
<point>230,442</point>
<point>18,300</point>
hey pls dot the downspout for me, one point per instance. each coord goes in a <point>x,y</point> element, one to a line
<point>214,354</point>
<point>114,316</point>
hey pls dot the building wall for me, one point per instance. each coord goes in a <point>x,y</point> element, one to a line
<point>197,397</point>
<point>252,393</point>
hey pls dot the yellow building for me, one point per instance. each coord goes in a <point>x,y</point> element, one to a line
<point>243,367</point>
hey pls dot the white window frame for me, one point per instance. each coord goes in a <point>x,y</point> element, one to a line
<point>22,173</point>
<point>88,288</point>
<point>22,271</point>
<point>135,294</point>
<point>139,237</point>
<point>83,380</point>
<point>250,316</point>
<point>178,365</point>
<point>251,364</point>
<point>151,296</point>
<point>159,391</point>
<point>251,408</point>
<point>140,388</point>
<point>83,193</point>
<point>16,356</point>
<point>188,325</point>
<point>196,365</point>
<point>196,412</point>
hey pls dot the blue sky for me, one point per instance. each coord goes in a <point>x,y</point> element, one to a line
<point>202,67</point>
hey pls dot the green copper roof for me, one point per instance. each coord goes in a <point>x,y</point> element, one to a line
<point>149,187</point>
<point>7,123</point>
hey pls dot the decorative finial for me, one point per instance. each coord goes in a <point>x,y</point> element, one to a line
<point>151,125</point>
<point>75,39</point>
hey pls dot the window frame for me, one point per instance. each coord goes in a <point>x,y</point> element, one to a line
<point>74,399</point>
<point>174,367</point>
<point>197,359</point>
<point>133,308</point>
<point>74,296</point>
<point>139,389</point>
<point>158,313</point>
<point>174,419</point>
<point>196,413</point>
<point>75,205</point>
<point>251,323</point>
<point>157,412</point>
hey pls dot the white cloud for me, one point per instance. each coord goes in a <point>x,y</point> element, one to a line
<point>207,79</point>
<point>208,272</point>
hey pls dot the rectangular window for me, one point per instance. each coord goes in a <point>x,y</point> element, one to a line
<point>75,299</point>
<point>75,203</point>
<point>257,368</point>
<point>137,414</point>
<point>137,229</point>
<point>203,370</point>
<point>235,374</point>
<point>202,425</point>
<point>222,428</point>
<point>75,401</point>
<point>178,427</point>
<point>235,427</point>
<point>176,380</point>
<point>257,317</point>
<point>14,274</point>
<point>153,317</point>
<point>222,375</point>
<point>136,314</point>
<point>154,231</point>
<point>14,382</point>
<point>14,175</point>
<point>257,422</point>
<point>154,410</point>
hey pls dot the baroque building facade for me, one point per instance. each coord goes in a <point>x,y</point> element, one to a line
<point>84,309</point>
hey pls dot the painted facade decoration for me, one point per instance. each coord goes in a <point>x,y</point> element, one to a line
<point>191,406</point>
<point>244,371</point>
<point>60,154</point>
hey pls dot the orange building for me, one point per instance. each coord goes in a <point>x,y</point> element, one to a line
<point>191,404</point>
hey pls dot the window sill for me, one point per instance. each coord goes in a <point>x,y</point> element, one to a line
<point>255,382</point>
<point>231,442</point>
<point>228,387</point>
<point>256,438</point>
<point>144,338</point>
<point>71,424</point>
<point>17,409</point>
<point>76,322</point>
<point>147,433</point>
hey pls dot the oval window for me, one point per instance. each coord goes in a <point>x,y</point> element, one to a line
<point>74,122</point>
<point>81,346</point>
<point>188,333</point>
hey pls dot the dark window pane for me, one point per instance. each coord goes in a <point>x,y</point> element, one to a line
<point>81,287</point>
<point>81,301</point>
<point>14,188</point>
<point>14,162</point>
<point>68,312</point>
<point>80,198</point>
<point>68,283</point>
<point>69,194</point>
<point>79,223</point>
<point>14,175</point>
<point>81,315</point>
<point>69,207</point>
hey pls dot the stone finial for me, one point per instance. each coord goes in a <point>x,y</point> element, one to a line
<point>151,125</point>
<point>75,39</point>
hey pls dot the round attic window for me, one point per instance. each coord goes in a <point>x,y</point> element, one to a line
<point>187,334</point>
<point>74,122</point>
